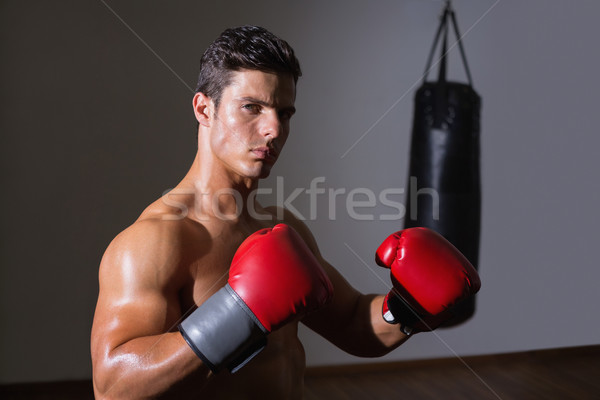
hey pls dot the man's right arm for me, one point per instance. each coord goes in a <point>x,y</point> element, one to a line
<point>137,351</point>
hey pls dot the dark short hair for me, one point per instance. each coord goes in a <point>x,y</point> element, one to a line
<point>245,47</point>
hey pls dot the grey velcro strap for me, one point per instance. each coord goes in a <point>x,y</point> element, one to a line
<point>223,332</point>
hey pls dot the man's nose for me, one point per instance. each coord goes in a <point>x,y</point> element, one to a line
<point>271,124</point>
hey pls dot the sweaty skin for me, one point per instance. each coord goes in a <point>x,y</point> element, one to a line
<point>177,254</point>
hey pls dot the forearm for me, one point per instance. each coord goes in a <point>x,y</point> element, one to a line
<point>148,367</point>
<point>360,329</point>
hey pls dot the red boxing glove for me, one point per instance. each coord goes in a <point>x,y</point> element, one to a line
<point>274,279</point>
<point>278,277</point>
<point>429,275</point>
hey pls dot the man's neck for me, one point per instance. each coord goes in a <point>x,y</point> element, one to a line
<point>217,193</point>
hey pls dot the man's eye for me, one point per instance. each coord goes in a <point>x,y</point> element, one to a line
<point>251,107</point>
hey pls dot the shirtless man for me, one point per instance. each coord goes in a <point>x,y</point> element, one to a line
<point>163,279</point>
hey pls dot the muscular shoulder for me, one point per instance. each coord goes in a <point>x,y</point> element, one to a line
<point>152,251</point>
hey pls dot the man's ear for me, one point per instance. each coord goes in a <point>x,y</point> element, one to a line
<point>203,108</point>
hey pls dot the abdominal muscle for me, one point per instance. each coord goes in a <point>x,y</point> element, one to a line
<point>275,373</point>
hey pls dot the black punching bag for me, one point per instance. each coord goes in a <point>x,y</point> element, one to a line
<point>444,190</point>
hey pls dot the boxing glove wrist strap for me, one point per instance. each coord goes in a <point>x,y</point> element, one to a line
<point>224,332</point>
<point>397,311</point>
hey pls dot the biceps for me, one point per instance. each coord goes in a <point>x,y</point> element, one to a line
<point>122,319</point>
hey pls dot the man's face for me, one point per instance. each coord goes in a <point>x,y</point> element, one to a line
<point>253,121</point>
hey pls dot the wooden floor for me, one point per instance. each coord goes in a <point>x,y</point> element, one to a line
<point>571,373</point>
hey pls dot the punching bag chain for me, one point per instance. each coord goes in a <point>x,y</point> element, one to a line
<point>448,14</point>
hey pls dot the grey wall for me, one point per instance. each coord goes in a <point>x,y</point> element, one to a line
<point>96,123</point>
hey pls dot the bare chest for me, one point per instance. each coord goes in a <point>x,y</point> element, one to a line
<point>208,271</point>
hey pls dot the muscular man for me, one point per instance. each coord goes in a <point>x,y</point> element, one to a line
<point>174,284</point>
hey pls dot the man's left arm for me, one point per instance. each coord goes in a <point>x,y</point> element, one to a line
<point>352,320</point>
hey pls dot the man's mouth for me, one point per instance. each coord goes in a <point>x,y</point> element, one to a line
<point>265,154</point>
